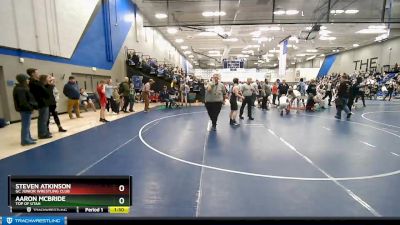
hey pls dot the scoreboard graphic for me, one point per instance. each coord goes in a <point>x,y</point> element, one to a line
<point>70,194</point>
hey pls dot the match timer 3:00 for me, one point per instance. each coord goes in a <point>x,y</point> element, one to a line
<point>82,194</point>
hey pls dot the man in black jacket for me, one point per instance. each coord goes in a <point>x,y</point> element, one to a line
<point>283,89</point>
<point>71,90</point>
<point>42,96</point>
<point>51,88</point>
<point>164,97</point>
<point>343,97</point>
<point>24,103</point>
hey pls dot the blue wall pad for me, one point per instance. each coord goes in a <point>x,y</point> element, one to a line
<point>326,65</point>
<point>102,41</point>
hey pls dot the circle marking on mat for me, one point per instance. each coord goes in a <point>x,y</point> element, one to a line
<point>258,174</point>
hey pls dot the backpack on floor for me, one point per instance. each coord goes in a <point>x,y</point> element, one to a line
<point>3,123</point>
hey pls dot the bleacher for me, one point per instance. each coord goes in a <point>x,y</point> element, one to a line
<point>163,73</point>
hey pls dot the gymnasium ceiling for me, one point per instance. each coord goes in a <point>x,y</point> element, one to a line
<point>252,29</point>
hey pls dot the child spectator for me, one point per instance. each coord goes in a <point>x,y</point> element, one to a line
<point>86,101</point>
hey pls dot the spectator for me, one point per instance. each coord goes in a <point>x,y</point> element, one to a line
<point>124,92</point>
<point>86,102</point>
<point>301,87</point>
<point>42,97</point>
<point>164,97</point>
<point>117,100</point>
<point>101,90</point>
<point>146,94</point>
<point>234,97</point>
<point>274,92</point>
<point>24,103</point>
<point>54,97</point>
<point>71,91</point>
<point>312,92</point>
<point>248,91</point>
<point>283,88</point>
<point>132,94</point>
<point>109,96</point>
<point>265,92</point>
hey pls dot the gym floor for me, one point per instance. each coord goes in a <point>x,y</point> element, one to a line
<point>301,164</point>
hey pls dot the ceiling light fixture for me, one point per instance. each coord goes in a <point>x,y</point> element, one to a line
<point>338,11</point>
<point>216,13</point>
<point>262,39</point>
<point>255,33</point>
<point>187,52</point>
<point>351,11</point>
<point>301,55</point>
<point>252,46</point>
<point>276,28</point>
<point>172,30</point>
<point>326,38</point>
<point>230,39</point>
<point>371,31</point>
<point>355,45</point>
<point>191,56</point>
<point>324,32</point>
<point>161,15</point>
<point>377,27</point>
<point>207,34</point>
<point>311,50</point>
<point>179,40</point>
<point>292,12</point>
<point>309,58</point>
<point>184,47</point>
<point>279,12</point>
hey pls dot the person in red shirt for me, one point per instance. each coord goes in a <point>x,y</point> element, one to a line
<point>103,100</point>
<point>274,92</point>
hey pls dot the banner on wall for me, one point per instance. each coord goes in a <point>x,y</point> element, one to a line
<point>282,58</point>
<point>137,82</point>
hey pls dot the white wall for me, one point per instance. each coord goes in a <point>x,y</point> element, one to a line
<point>151,42</point>
<point>46,26</point>
<point>314,63</point>
<point>148,41</point>
<point>344,61</point>
<point>306,73</point>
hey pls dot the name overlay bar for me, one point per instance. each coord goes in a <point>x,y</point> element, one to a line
<point>64,194</point>
<point>26,220</point>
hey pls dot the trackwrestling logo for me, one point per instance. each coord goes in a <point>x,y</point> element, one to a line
<point>34,220</point>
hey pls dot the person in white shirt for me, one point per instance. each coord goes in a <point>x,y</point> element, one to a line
<point>248,91</point>
<point>146,94</point>
<point>283,104</point>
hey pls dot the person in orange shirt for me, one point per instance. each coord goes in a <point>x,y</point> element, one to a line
<point>274,92</point>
